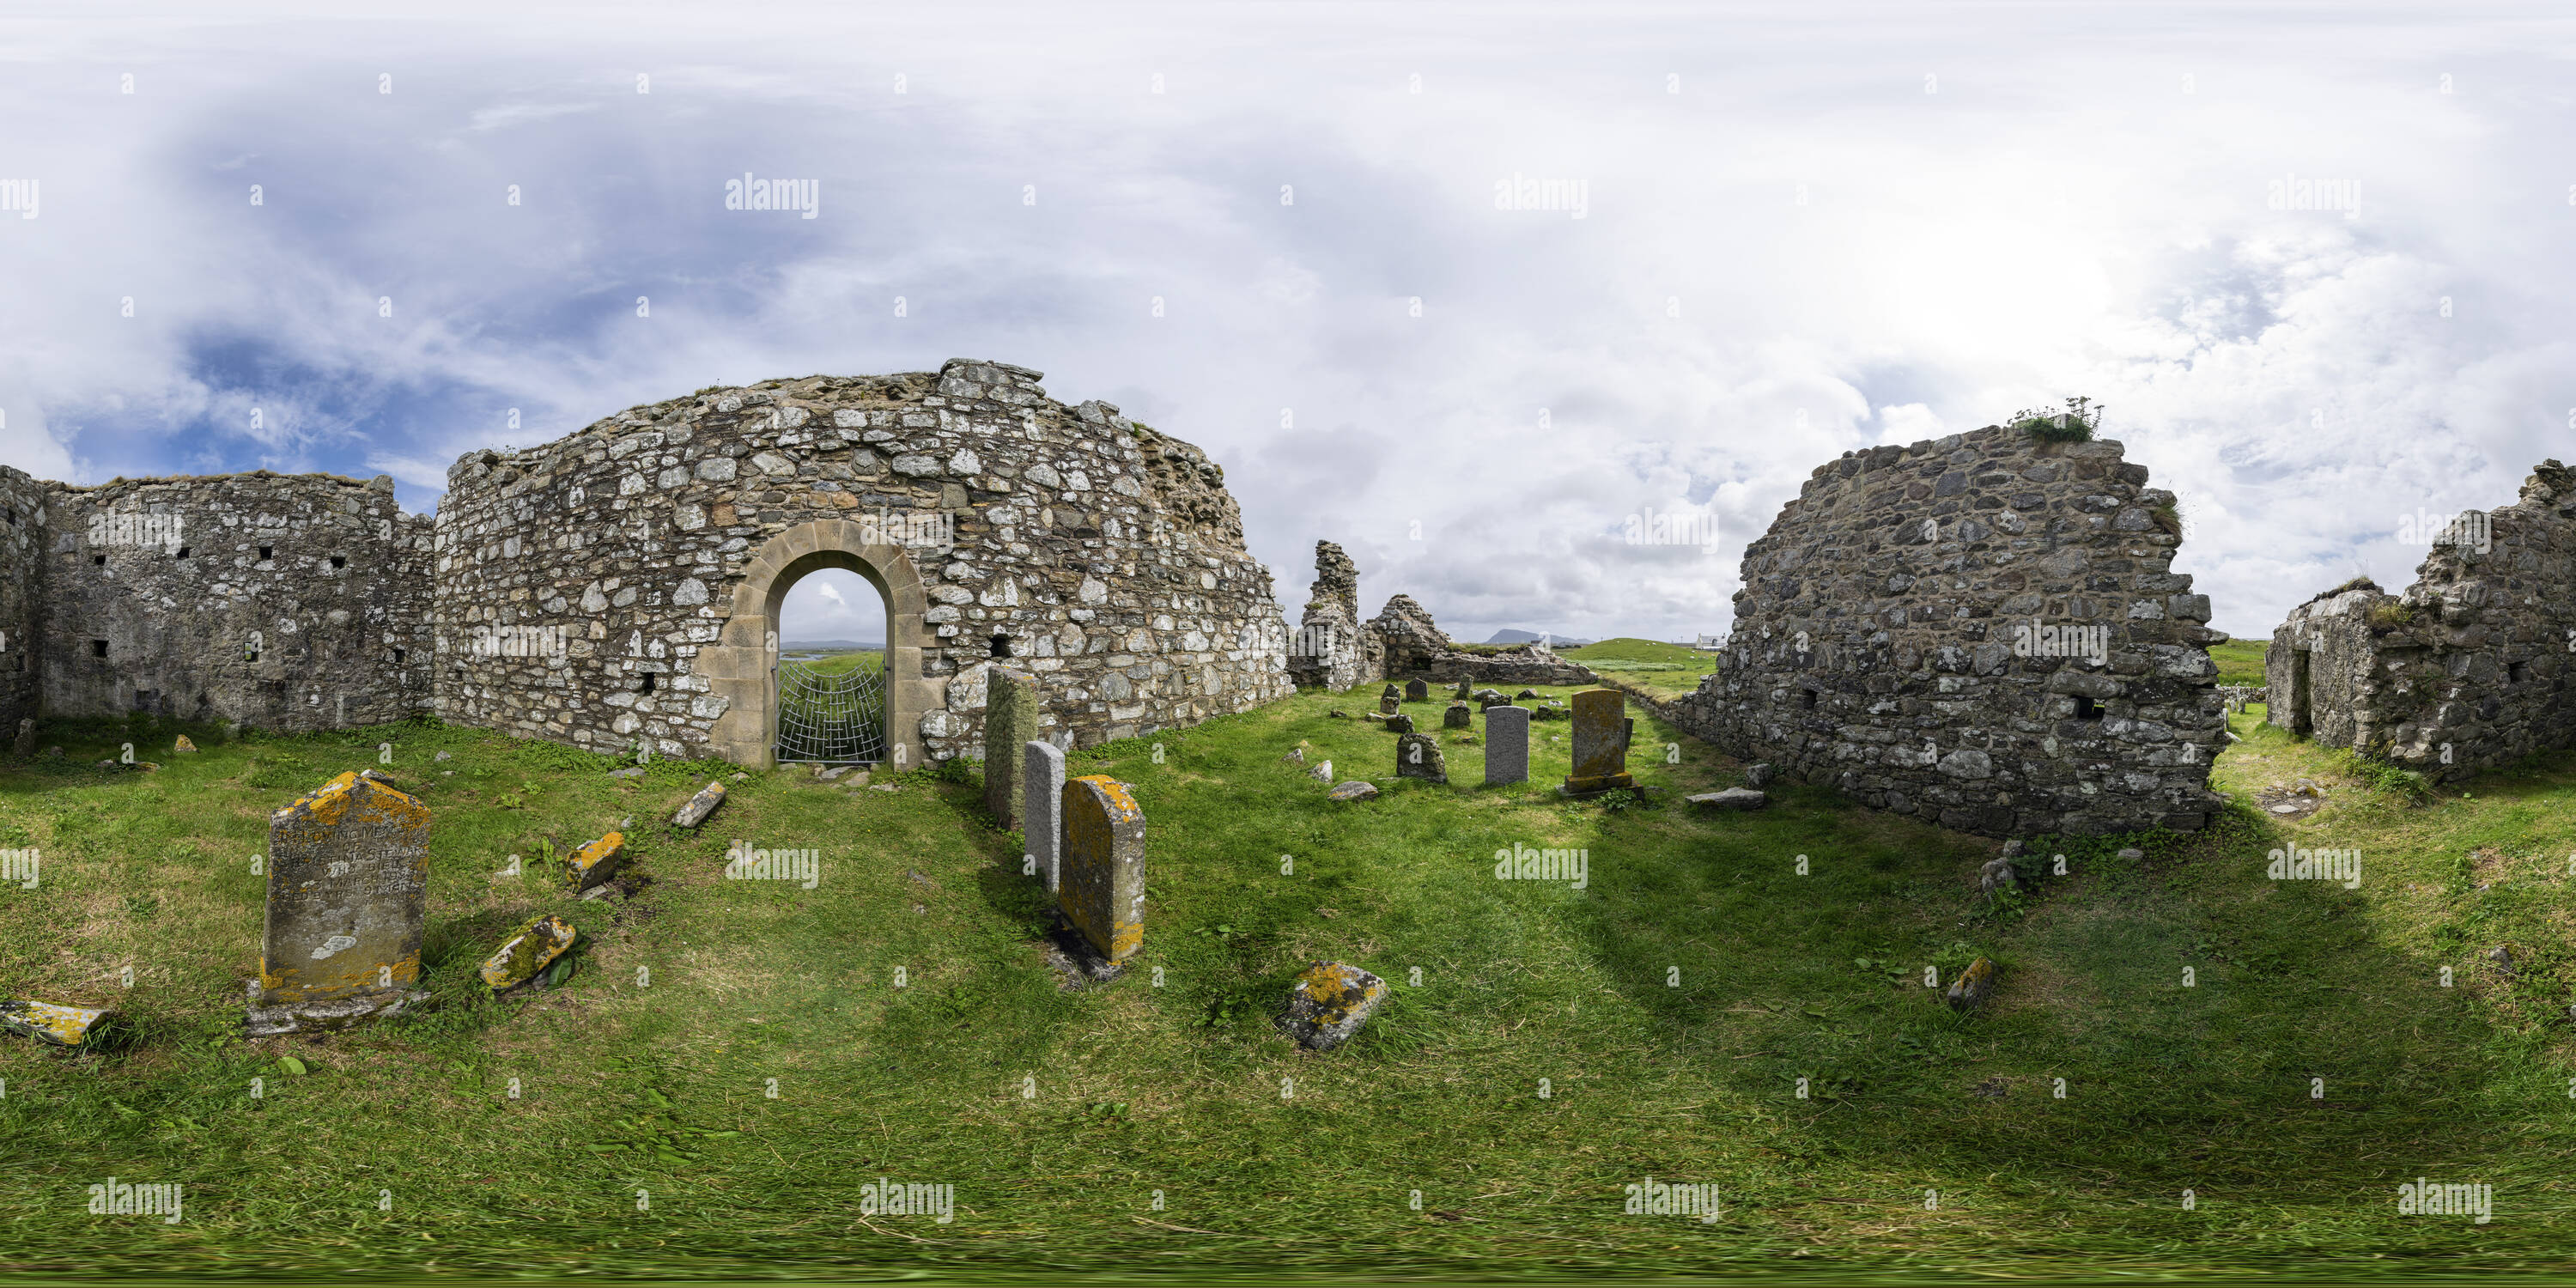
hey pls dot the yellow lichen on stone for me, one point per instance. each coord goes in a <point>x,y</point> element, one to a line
<point>1121,805</point>
<point>528,951</point>
<point>590,857</point>
<point>50,1022</point>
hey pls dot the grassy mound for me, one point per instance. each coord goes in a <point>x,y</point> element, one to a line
<point>1557,1044</point>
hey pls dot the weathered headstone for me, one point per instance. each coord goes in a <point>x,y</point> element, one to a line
<point>1416,691</point>
<point>1391,691</point>
<point>1458,716</point>
<point>52,1022</point>
<point>1399,723</point>
<point>700,805</point>
<point>1973,987</point>
<point>348,890</point>
<point>1010,724</point>
<point>1042,807</point>
<point>1417,755</point>
<point>1330,1003</point>
<point>1506,745</point>
<point>594,862</point>
<point>1463,689</point>
<point>1601,731</point>
<point>1389,705</point>
<point>527,951</point>
<point>25,746</point>
<point>1102,882</point>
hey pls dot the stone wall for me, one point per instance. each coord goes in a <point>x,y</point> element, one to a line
<point>1412,646</point>
<point>2468,669</point>
<point>1330,651</point>
<point>282,601</point>
<point>1920,630</point>
<point>1101,556</point>
<point>22,519</point>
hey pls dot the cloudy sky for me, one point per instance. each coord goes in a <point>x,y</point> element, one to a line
<point>1782,233</point>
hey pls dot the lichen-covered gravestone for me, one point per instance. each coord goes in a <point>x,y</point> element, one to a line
<point>1010,724</point>
<point>1389,704</point>
<point>1601,731</point>
<point>699,806</point>
<point>348,890</point>
<point>1417,755</point>
<point>1102,883</point>
<point>1042,804</point>
<point>1506,745</point>
<point>1458,716</point>
<point>1416,691</point>
<point>1330,1003</point>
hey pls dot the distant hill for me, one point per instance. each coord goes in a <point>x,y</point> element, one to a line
<point>829,644</point>
<point>1524,637</point>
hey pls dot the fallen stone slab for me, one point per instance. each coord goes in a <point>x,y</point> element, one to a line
<point>631,771</point>
<point>334,1013</point>
<point>595,862</point>
<point>51,1022</point>
<point>1329,1004</point>
<point>1399,724</point>
<point>1738,798</point>
<point>1354,791</point>
<point>528,952</point>
<point>700,805</point>
<point>1973,987</point>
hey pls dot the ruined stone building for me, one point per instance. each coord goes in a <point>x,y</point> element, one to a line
<point>621,586</point>
<point>1981,631</point>
<point>2469,668</point>
<point>1335,650</point>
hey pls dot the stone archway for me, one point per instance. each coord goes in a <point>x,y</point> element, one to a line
<point>738,666</point>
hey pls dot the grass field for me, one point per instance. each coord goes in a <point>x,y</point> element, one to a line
<point>2240,661</point>
<point>1558,1045</point>
<point>1665,670</point>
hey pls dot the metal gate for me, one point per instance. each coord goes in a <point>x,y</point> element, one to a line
<point>831,717</point>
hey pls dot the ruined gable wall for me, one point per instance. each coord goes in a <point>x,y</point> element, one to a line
<point>22,517</point>
<point>157,597</point>
<point>2473,666</point>
<point>1901,631</point>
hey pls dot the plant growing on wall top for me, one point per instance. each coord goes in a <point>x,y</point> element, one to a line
<point>2073,423</point>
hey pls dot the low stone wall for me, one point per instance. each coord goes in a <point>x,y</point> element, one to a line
<point>1982,631</point>
<point>1413,647</point>
<point>284,601</point>
<point>2472,667</point>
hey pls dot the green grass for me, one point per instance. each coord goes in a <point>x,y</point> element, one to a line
<point>1670,1007</point>
<point>1664,670</point>
<point>2240,661</point>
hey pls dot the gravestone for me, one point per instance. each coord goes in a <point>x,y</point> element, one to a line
<point>1399,723</point>
<point>1417,755</point>
<point>1601,731</point>
<point>1389,705</point>
<point>25,746</point>
<point>1330,1003</point>
<point>1391,691</point>
<point>1506,745</point>
<point>595,862</point>
<point>1102,883</point>
<point>1010,723</point>
<point>1042,807</point>
<point>1416,691</point>
<point>348,890</point>
<point>1463,688</point>
<point>700,805</point>
<point>1458,716</point>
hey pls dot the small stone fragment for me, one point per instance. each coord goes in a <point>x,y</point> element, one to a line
<point>631,771</point>
<point>1995,875</point>
<point>1337,715</point>
<point>1525,693</point>
<point>1330,1003</point>
<point>527,952</point>
<point>1296,755</point>
<point>1399,724</point>
<point>1354,791</point>
<point>1739,798</point>
<point>700,805</point>
<point>183,746</point>
<point>1758,774</point>
<point>2133,854</point>
<point>1322,772</point>
<point>595,862</point>
<point>441,756</point>
<point>51,1022</point>
<point>1973,987</point>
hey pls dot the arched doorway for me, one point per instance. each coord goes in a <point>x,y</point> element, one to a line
<point>742,666</point>
<point>830,675</point>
